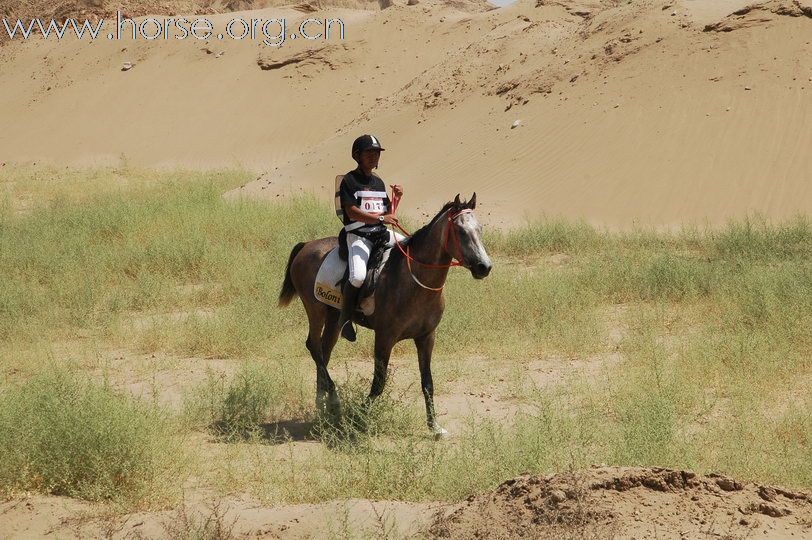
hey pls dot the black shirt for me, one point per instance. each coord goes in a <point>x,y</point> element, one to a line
<point>368,193</point>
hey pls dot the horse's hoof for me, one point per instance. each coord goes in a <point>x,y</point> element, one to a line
<point>440,433</point>
<point>334,404</point>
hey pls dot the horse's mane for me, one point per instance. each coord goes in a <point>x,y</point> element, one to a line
<point>424,230</point>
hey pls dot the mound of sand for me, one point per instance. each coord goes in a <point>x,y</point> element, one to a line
<point>611,502</point>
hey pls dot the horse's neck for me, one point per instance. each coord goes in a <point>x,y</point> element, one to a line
<point>431,250</point>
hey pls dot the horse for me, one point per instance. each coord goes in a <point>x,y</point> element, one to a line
<point>409,301</point>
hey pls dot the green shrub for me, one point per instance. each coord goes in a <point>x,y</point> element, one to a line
<point>239,407</point>
<point>65,435</point>
<point>754,238</point>
<point>233,409</point>
<point>359,421</point>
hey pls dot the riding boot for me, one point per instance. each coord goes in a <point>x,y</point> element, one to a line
<point>350,297</point>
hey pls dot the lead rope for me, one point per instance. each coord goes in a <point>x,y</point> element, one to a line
<point>409,258</point>
<point>414,277</point>
<point>395,202</point>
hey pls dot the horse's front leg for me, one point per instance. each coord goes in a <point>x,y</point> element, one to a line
<point>425,346</point>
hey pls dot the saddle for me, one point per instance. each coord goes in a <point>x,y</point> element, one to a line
<point>334,272</point>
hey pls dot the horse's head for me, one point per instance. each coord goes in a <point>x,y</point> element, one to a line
<point>464,238</point>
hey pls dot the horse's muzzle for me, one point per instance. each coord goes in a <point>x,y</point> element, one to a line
<point>481,269</point>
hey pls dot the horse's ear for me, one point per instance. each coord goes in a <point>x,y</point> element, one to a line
<point>472,202</point>
<point>457,200</point>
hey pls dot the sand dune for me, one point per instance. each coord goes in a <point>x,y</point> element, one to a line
<point>648,112</point>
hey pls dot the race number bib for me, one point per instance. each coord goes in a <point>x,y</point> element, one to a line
<point>372,201</point>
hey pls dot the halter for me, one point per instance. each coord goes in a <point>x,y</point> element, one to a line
<point>451,229</point>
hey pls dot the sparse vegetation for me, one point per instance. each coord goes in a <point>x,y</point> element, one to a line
<point>243,406</point>
<point>709,331</point>
<point>215,524</point>
<point>360,422</point>
<point>64,435</point>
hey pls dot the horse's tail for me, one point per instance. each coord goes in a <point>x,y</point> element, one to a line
<point>288,291</point>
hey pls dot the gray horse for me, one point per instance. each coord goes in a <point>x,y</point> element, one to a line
<point>408,297</point>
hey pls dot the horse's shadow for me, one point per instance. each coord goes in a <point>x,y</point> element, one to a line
<point>333,428</point>
<point>285,431</point>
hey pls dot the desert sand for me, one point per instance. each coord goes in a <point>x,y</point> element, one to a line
<point>659,113</point>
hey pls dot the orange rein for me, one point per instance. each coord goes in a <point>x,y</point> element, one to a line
<point>410,259</point>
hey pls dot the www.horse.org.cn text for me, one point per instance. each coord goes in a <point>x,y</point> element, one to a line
<point>271,32</point>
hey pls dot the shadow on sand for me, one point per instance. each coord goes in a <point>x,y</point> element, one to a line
<point>289,430</point>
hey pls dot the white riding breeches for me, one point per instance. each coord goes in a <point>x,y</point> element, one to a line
<point>358,251</point>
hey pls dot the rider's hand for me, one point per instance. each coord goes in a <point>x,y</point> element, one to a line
<point>397,190</point>
<point>389,219</point>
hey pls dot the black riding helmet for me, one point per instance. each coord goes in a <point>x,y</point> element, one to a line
<point>365,142</point>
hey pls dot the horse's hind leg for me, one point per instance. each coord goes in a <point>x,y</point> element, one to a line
<point>329,338</point>
<point>324,384</point>
<point>425,346</point>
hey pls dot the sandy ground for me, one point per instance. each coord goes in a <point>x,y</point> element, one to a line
<point>602,502</point>
<point>645,112</point>
<point>40,516</point>
<point>482,386</point>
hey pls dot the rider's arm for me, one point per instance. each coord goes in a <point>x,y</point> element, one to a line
<point>356,214</point>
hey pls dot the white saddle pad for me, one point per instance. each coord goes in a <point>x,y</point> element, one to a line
<point>327,288</point>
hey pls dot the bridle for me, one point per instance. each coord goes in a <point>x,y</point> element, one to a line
<point>450,230</point>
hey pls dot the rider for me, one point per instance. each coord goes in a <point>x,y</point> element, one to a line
<point>367,210</point>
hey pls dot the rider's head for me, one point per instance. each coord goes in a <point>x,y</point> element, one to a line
<point>366,150</point>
